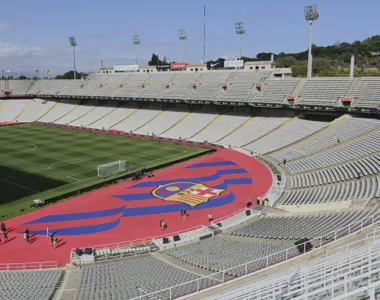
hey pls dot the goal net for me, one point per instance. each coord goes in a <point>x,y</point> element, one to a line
<point>112,168</point>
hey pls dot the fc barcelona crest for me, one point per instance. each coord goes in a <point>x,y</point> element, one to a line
<point>190,193</point>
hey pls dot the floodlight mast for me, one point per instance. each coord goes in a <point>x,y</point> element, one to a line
<point>182,37</point>
<point>311,15</point>
<point>136,41</point>
<point>240,30</point>
<point>73,43</point>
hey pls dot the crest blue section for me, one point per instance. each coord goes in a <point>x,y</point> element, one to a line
<point>201,179</point>
<point>220,177</point>
<point>211,164</point>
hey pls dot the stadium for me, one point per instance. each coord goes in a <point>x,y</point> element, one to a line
<point>187,181</point>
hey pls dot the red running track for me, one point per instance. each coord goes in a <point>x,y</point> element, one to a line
<point>129,211</point>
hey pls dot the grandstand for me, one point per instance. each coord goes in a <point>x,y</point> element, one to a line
<point>326,153</point>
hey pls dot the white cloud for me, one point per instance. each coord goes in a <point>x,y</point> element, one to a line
<point>9,50</point>
<point>4,27</point>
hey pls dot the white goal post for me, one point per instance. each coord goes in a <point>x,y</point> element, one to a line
<point>112,168</point>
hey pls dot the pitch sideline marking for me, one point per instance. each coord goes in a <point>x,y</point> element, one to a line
<point>19,185</point>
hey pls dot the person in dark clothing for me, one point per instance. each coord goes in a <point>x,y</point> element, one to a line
<point>249,202</point>
<point>6,236</point>
<point>3,227</point>
<point>52,237</point>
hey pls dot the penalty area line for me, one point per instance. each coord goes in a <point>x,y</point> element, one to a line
<point>19,185</point>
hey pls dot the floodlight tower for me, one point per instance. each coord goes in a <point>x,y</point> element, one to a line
<point>182,37</point>
<point>240,30</point>
<point>136,41</point>
<point>73,43</point>
<point>311,15</point>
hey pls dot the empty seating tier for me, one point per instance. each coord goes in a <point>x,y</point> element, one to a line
<point>222,253</point>
<point>305,226</point>
<point>290,132</point>
<point>367,92</point>
<point>339,131</point>
<point>29,285</point>
<point>363,146</point>
<point>363,188</point>
<point>323,91</point>
<point>275,91</point>
<point>134,277</point>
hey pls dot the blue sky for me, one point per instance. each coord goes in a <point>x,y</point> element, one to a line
<point>34,34</point>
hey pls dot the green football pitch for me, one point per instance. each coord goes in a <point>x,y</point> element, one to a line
<point>40,162</point>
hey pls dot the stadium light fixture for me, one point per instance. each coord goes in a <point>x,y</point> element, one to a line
<point>182,37</point>
<point>311,15</point>
<point>240,30</point>
<point>136,41</point>
<point>73,43</point>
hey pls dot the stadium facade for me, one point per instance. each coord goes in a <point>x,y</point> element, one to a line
<point>320,137</point>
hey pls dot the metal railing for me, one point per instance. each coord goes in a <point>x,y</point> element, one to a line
<point>359,259</point>
<point>150,240</point>
<point>28,266</point>
<point>257,265</point>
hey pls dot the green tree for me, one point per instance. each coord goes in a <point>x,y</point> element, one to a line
<point>70,75</point>
<point>286,62</point>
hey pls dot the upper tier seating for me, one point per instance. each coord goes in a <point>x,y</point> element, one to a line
<point>305,226</point>
<point>92,84</point>
<point>287,134</point>
<point>17,87</point>
<point>240,86</point>
<point>208,86</point>
<point>134,277</point>
<point>344,129</point>
<point>367,92</point>
<point>53,87</point>
<point>323,91</point>
<point>154,85</point>
<point>37,86</point>
<point>29,285</point>
<point>276,90</point>
<point>71,88</point>
<point>132,85</point>
<point>180,86</point>
<point>110,86</point>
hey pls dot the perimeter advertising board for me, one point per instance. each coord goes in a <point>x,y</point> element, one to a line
<point>233,63</point>
<point>177,66</point>
<point>126,68</point>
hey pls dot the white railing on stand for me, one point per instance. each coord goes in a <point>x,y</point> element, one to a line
<point>249,268</point>
<point>28,266</point>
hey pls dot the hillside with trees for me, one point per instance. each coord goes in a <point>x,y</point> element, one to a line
<point>331,60</point>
